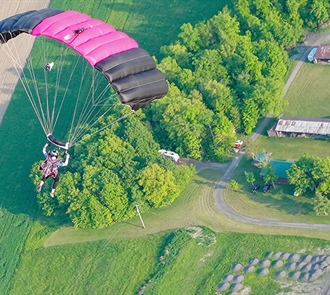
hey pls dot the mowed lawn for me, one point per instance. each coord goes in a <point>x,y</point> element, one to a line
<point>309,94</point>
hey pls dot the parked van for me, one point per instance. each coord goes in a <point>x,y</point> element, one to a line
<point>170,155</point>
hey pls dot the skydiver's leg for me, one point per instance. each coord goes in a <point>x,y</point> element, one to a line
<point>43,180</point>
<point>56,180</point>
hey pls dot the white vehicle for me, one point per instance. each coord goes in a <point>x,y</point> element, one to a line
<point>237,146</point>
<point>170,155</point>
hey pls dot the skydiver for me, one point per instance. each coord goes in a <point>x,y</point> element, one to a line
<point>50,167</point>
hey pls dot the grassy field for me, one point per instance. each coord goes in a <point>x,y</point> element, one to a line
<point>125,256</point>
<point>124,266</point>
<point>309,94</point>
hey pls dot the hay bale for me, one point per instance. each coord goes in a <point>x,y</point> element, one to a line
<point>315,274</point>
<point>277,264</point>
<point>277,255</point>
<point>253,261</point>
<point>228,278</point>
<point>294,276</point>
<point>263,272</point>
<point>237,287</point>
<point>315,259</point>
<point>269,255</point>
<point>306,258</point>
<point>264,263</point>
<point>307,267</point>
<point>327,260</point>
<point>315,266</point>
<point>290,266</point>
<point>323,265</point>
<point>285,256</point>
<point>249,268</point>
<point>304,277</point>
<point>279,275</point>
<point>301,264</point>
<point>223,286</point>
<point>294,257</point>
<point>238,278</point>
<point>237,267</point>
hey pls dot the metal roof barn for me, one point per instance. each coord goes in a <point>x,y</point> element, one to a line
<point>304,125</point>
<point>323,52</point>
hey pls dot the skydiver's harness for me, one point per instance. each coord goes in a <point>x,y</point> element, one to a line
<point>49,167</point>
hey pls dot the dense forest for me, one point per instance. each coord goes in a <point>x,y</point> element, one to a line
<point>224,75</point>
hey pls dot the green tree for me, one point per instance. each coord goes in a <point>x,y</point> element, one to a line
<point>320,10</point>
<point>157,185</point>
<point>225,29</point>
<point>169,66</point>
<point>301,174</point>
<point>250,177</point>
<point>321,204</point>
<point>223,136</point>
<point>270,175</point>
<point>190,37</point>
<point>208,67</point>
<point>234,185</point>
<point>185,121</point>
<point>179,52</point>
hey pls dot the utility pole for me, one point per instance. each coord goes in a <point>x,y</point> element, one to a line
<point>138,211</point>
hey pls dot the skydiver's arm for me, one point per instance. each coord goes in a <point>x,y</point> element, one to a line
<point>66,159</point>
<point>44,149</point>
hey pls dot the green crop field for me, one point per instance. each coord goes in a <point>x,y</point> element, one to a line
<point>41,255</point>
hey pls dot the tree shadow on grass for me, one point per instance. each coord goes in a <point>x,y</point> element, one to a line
<point>298,52</point>
<point>207,177</point>
<point>284,202</point>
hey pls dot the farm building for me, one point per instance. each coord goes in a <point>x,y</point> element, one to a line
<point>280,169</point>
<point>300,127</point>
<point>322,54</point>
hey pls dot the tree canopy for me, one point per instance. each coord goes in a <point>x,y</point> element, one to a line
<point>110,174</point>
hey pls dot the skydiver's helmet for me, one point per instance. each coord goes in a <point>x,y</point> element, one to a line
<point>53,154</point>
